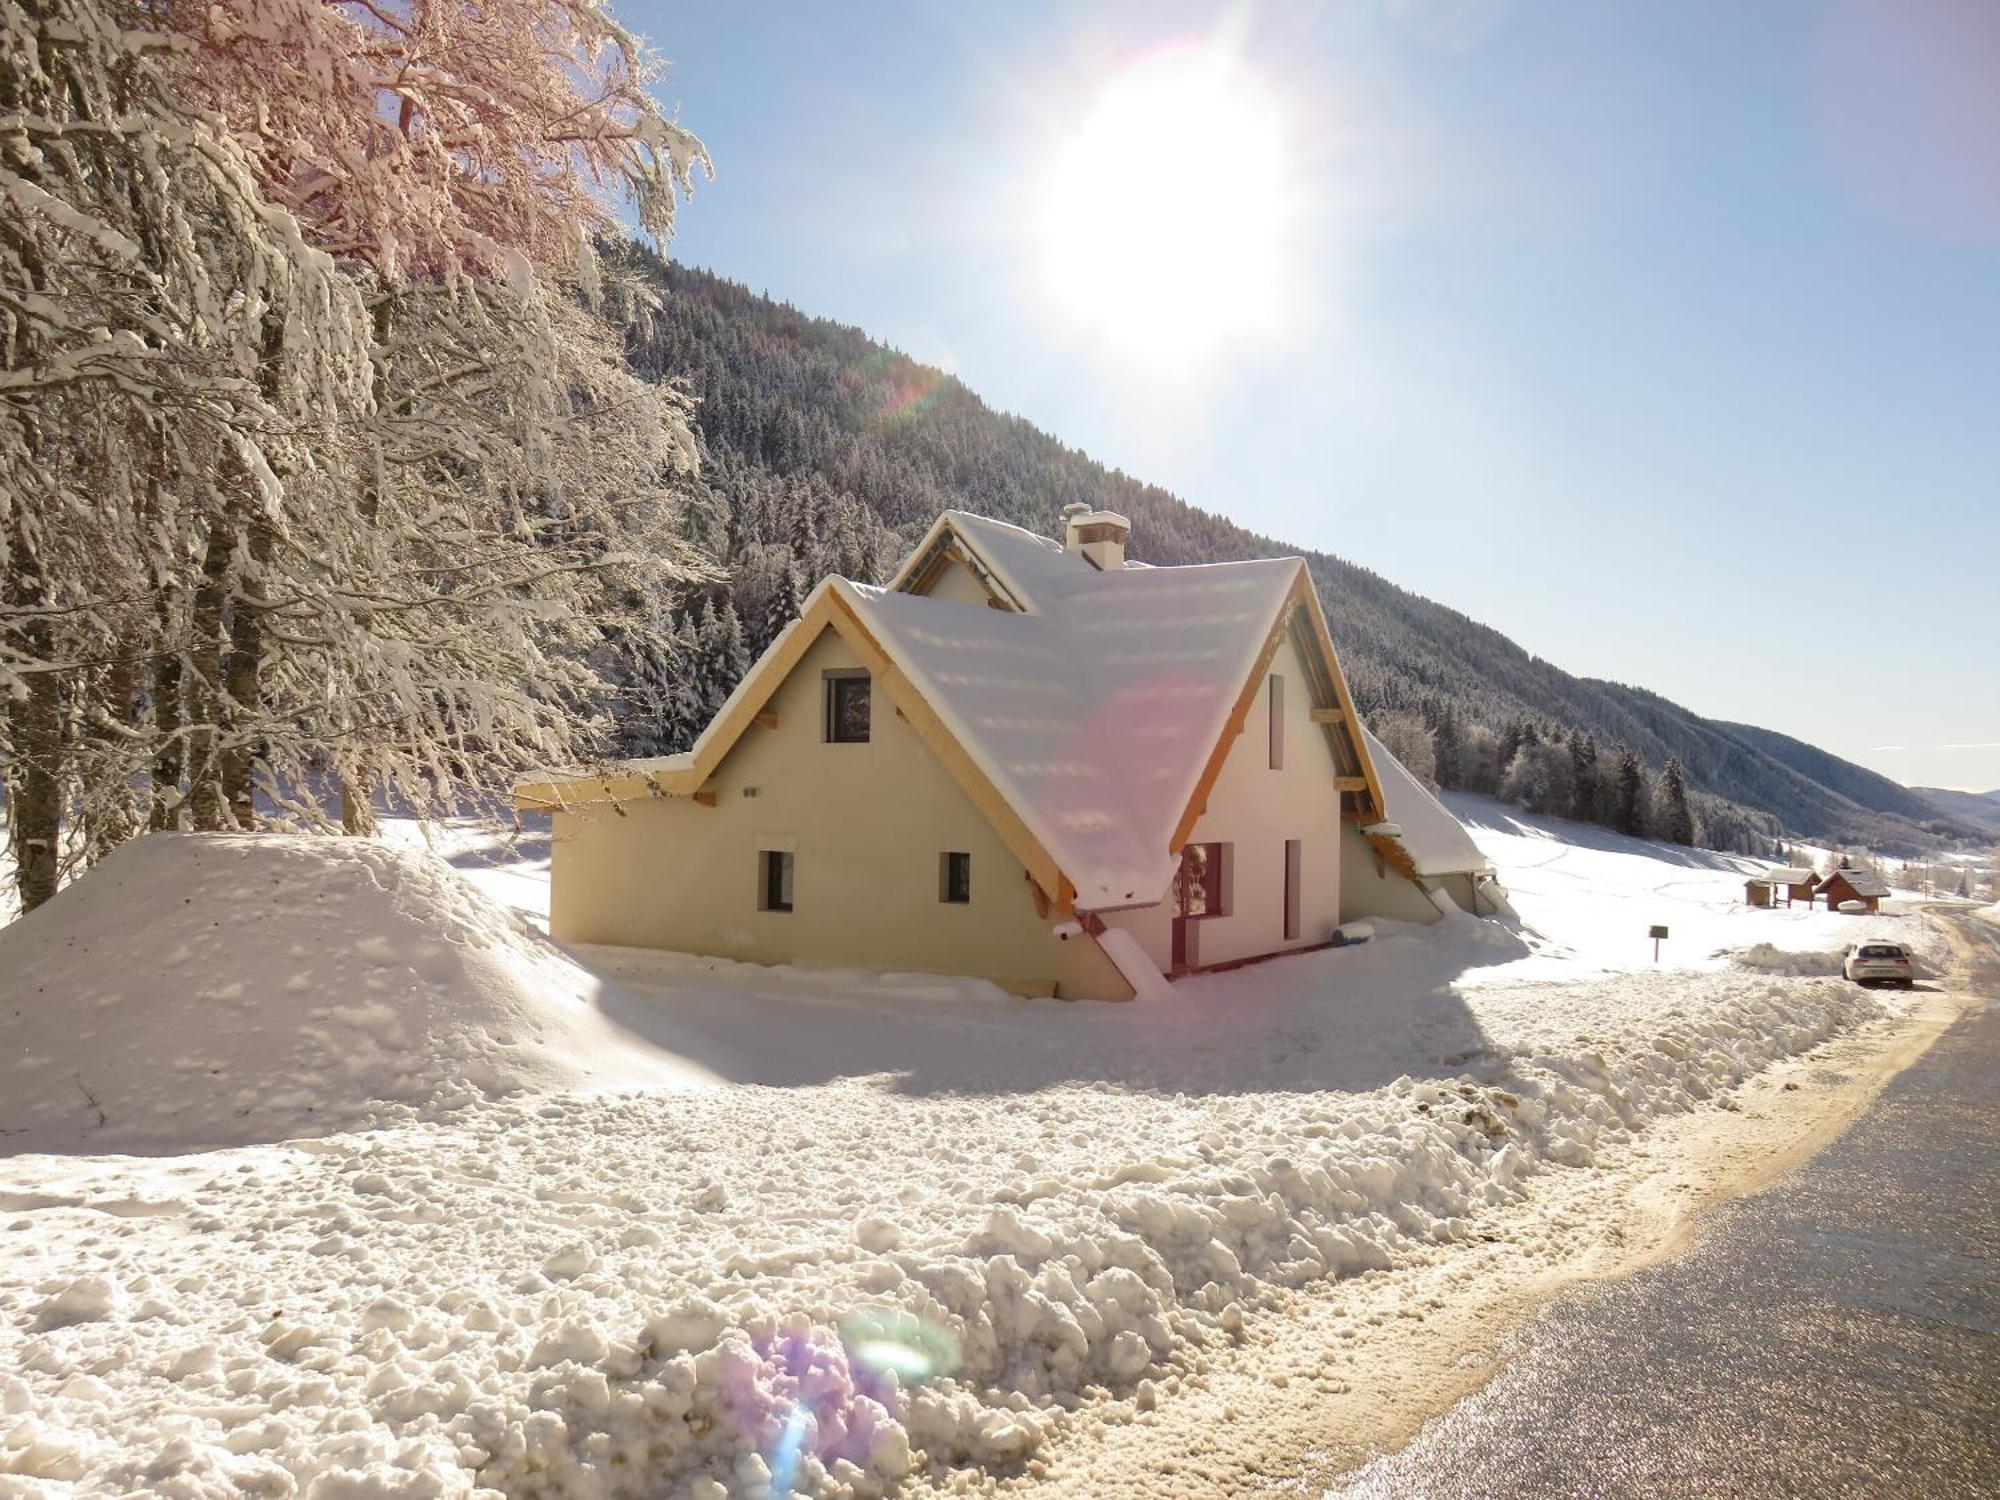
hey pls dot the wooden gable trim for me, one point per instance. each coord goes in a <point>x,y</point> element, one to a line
<point>1349,727</point>
<point>1232,726</point>
<point>1299,609</point>
<point>951,546</point>
<point>745,708</point>
<point>938,738</point>
<point>829,612</point>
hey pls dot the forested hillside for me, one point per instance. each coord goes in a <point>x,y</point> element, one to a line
<point>1981,809</point>
<point>826,451</point>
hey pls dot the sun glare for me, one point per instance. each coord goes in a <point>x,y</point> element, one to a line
<point>1167,213</point>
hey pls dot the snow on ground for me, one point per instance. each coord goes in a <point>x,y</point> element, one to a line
<point>921,1220</point>
<point>1587,898</point>
<point>226,989</point>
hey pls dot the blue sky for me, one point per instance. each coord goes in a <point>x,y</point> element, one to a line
<point>1665,339</point>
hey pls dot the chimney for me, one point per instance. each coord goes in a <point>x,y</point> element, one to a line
<point>1097,536</point>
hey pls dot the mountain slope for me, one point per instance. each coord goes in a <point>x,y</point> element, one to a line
<point>799,400</point>
<point>1982,809</point>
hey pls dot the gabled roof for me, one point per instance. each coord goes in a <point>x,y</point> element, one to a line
<point>1087,714</point>
<point>1790,875</point>
<point>1861,882</point>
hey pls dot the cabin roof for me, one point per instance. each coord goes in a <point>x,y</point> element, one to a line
<point>1861,882</point>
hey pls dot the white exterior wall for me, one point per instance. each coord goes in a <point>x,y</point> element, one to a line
<point>956,584</point>
<point>1254,810</point>
<point>1376,888</point>
<point>866,823</point>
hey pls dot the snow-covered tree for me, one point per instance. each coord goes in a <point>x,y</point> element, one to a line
<point>168,339</point>
<point>1411,741</point>
<point>1671,815</point>
<point>1630,793</point>
<point>317,464</point>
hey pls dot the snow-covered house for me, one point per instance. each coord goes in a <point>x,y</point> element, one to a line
<point>1862,889</point>
<point>1029,760</point>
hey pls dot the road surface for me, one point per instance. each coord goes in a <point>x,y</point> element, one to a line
<point>1839,1335</point>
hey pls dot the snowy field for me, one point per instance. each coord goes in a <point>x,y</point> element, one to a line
<point>423,1206</point>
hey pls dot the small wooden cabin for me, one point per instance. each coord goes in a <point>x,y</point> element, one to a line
<point>1843,886</point>
<point>1798,883</point>
<point>1757,892</point>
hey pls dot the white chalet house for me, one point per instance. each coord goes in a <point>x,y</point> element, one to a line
<point>1030,760</point>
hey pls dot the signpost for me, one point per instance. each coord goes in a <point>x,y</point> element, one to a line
<point>1657,934</point>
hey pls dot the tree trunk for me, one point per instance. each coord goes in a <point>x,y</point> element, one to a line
<point>207,807</point>
<point>357,813</point>
<point>244,678</point>
<point>34,731</point>
<point>169,750</point>
<point>34,792</point>
<point>357,810</point>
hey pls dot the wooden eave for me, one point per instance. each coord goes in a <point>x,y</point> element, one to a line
<point>1299,617</point>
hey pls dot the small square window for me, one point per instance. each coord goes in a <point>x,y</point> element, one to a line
<point>847,708</point>
<point>774,880</point>
<point>955,878</point>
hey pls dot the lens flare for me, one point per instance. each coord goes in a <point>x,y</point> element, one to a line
<point>785,1457</point>
<point>899,1343</point>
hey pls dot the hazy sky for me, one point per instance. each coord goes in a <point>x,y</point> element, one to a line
<point>1664,338</point>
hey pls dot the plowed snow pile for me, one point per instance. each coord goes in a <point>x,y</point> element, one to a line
<point>218,989</point>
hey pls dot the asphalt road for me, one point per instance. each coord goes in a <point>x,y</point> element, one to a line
<point>1837,1336</point>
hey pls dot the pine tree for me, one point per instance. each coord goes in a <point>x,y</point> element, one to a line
<point>1629,802</point>
<point>1672,815</point>
<point>1584,793</point>
<point>783,606</point>
<point>1526,784</point>
<point>1450,749</point>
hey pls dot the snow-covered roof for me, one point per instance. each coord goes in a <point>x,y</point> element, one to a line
<point>1094,714</point>
<point>1789,875</point>
<point>1091,703</point>
<point>1436,841</point>
<point>1862,882</point>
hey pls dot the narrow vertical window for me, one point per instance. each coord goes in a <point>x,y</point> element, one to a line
<point>774,871</point>
<point>1277,722</point>
<point>847,707</point>
<point>1292,851</point>
<point>955,878</point>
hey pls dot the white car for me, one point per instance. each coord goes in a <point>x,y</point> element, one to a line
<point>1872,961</point>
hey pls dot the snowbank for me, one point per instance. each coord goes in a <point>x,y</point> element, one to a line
<point>217,989</point>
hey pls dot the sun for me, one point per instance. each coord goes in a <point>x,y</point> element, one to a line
<point>1167,214</point>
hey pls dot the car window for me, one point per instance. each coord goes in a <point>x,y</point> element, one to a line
<point>1881,950</point>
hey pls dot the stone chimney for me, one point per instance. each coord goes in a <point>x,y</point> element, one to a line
<point>1097,536</point>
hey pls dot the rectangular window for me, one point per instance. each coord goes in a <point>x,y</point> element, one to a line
<point>774,880</point>
<point>1292,852</point>
<point>955,878</point>
<point>847,707</point>
<point>1202,888</point>
<point>1277,722</point>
